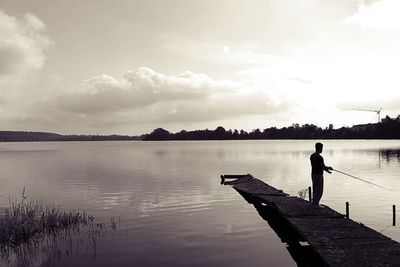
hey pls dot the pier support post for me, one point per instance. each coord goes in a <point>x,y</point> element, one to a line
<point>347,210</point>
<point>309,193</point>
<point>394,215</point>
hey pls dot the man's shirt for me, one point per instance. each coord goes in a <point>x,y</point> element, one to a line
<point>317,164</point>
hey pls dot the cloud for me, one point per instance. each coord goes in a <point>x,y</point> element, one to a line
<point>380,15</point>
<point>145,96</point>
<point>138,88</point>
<point>22,44</point>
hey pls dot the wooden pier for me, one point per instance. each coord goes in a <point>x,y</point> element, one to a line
<point>316,236</point>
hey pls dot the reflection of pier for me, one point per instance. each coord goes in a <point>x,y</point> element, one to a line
<point>316,236</point>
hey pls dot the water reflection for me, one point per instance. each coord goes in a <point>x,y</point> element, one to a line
<point>59,247</point>
<point>390,154</point>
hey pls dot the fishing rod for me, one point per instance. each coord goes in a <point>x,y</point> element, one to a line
<point>358,178</point>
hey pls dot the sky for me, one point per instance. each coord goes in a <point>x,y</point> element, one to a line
<point>130,66</point>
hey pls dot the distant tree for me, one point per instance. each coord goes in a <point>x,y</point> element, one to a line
<point>243,134</point>
<point>220,132</point>
<point>158,135</point>
<point>255,134</point>
<point>235,134</point>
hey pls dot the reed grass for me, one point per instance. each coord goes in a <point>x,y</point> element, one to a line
<point>25,219</point>
<point>303,193</point>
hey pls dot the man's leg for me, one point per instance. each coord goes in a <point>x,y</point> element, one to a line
<point>318,188</point>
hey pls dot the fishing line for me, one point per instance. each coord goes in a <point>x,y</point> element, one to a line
<point>358,178</point>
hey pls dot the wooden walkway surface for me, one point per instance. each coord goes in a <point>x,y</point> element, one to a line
<point>337,240</point>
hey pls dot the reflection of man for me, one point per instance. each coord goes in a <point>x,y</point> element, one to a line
<point>317,173</point>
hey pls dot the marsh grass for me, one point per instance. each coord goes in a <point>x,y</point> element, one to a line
<point>24,220</point>
<point>31,231</point>
<point>303,193</point>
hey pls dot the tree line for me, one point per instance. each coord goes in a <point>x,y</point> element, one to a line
<point>388,128</point>
<point>23,136</point>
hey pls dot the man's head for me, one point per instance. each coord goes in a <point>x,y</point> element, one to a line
<point>318,147</point>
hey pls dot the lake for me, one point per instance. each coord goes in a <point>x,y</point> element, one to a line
<point>167,202</point>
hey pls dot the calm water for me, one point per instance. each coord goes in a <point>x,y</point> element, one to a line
<point>169,206</point>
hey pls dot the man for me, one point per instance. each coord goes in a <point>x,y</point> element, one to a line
<point>317,173</point>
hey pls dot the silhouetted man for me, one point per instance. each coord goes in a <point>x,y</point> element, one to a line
<point>317,173</point>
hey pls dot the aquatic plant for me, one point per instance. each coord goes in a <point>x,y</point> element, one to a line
<point>25,219</point>
<point>303,193</point>
<point>31,231</point>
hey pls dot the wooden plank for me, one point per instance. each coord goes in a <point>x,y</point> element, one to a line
<point>296,207</point>
<point>243,179</point>
<point>257,187</point>
<point>367,255</point>
<point>327,230</point>
<point>234,176</point>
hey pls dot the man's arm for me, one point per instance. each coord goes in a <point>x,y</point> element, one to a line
<point>326,168</point>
